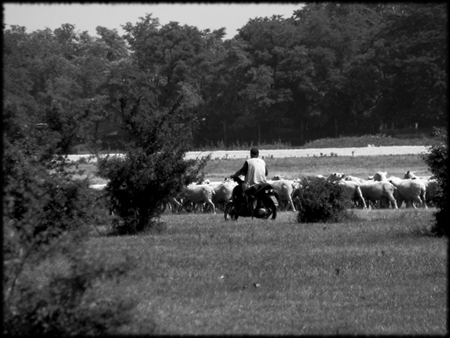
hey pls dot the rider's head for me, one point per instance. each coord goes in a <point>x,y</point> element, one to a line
<point>254,152</point>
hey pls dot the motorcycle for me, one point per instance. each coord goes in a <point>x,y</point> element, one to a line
<point>262,201</point>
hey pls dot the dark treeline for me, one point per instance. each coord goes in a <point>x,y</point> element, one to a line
<point>329,70</point>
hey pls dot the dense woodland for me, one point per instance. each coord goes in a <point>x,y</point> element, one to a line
<point>329,70</point>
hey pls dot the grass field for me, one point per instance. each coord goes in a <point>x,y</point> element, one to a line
<point>379,273</point>
<point>290,168</point>
<point>376,274</point>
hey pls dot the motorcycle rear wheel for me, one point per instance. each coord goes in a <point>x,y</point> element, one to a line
<point>270,205</point>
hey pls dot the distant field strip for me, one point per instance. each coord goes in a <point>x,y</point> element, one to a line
<point>284,153</point>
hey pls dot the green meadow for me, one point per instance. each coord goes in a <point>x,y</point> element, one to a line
<point>293,167</point>
<point>378,273</point>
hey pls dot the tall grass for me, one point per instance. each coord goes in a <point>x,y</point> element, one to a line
<point>372,275</point>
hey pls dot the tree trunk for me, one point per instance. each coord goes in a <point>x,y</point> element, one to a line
<point>225,132</point>
<point>259,133</point>
<point>96,126</point>
<point>335,128</point>
<point>302,132</point>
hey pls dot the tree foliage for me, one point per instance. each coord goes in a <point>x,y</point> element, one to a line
<point>330,69</point>
<point>46,214</point>
<point>157,102</point>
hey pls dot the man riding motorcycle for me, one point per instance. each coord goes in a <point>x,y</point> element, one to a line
<point>255,172</point>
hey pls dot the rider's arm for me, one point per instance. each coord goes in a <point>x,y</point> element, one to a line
<point>243,170</point>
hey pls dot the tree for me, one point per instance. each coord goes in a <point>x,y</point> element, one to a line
<point>222,99</point>
<point>97,60</point>
<point>340,91</point>
<point>46,214</point>
<point>60,74</point>
<point>158,93</point>
<point>267,95</point>
<point>411,57</point>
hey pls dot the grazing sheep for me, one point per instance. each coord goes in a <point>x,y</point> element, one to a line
<point>198,194</point>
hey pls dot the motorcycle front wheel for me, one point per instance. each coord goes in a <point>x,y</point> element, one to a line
<point>230,212</point>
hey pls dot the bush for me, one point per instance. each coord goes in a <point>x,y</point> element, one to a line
<point>46,216</point>
<point>65,303</point>
<point>139,182</point>
<point>437,161</point>
<point>42,204</point>
<point>153,166</point>
<point>321,201</point>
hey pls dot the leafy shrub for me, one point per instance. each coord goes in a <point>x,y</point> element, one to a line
<point>437,161</point>
<point>47,216</point>
<point>138,183</point>
<point>66,302</point>
<point>321,201</point>
<point>153,166</point>
<point>42,205</point>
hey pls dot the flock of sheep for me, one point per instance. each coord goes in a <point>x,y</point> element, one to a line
<point>381,191</point>
<point>209,195</point>
<point>375,192</point>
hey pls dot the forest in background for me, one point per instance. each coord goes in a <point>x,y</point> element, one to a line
<point>329,70</point>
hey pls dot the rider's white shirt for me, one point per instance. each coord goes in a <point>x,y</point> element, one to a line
<point>256,171</point>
